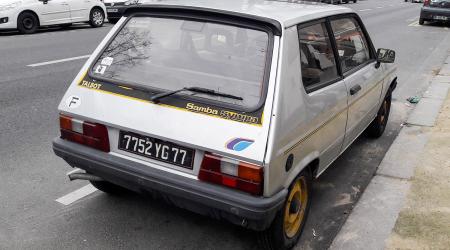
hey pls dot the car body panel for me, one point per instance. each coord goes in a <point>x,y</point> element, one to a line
<point>54,12</point>
<point>299,117</point>
<point>80,9</point>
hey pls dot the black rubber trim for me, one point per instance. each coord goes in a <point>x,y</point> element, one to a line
<point>213,13</point>
<point>236,205</point>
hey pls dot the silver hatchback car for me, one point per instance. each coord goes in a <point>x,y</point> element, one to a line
<point>226,108</point>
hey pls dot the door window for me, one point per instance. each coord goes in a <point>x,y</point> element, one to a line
<point>351,43</point>
<point>318,64</point>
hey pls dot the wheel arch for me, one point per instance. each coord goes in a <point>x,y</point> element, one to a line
<point>393,84</point>
<point>96,7</point>
<point>29,11</point>
<point>310,163</point>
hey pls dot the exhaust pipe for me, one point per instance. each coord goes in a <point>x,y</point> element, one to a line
<point>84,176</point>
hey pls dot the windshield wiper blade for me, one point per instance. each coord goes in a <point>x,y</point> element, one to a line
<point>157,97</point>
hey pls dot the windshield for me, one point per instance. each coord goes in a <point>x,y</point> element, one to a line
<point>169,54</point>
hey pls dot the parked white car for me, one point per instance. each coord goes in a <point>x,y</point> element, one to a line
<point>226,108</point>
<point>28,15</point>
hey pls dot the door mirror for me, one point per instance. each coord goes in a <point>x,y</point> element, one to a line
<point>44,1</point>
<point>385,56</point>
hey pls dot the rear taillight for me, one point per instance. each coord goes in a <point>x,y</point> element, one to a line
<point>426,3</point>
<point>90,134</point>
<point>232,173</point>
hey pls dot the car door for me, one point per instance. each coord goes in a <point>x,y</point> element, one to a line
<point>53,12</point>
<point>80,9</point>
<point>362,77</point>
<point>326,93</point>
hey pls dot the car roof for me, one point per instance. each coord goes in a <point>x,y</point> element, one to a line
<point>286,12</point>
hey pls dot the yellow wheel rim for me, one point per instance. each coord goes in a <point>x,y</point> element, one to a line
<point>294,210</point>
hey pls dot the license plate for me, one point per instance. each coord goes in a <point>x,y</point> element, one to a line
<point>112,10</point>
<point>156,149</point>
<point>440,18</point>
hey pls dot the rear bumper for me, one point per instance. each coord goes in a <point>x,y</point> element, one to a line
<point>429,13</point>
<point>115,12</point>
<point>218,202</point>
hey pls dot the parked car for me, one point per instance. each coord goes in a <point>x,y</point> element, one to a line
<point>435,10</point>
<point>338,1</point>
<point>203,103</point>
<point>116,8</point>
<point>28,15</point>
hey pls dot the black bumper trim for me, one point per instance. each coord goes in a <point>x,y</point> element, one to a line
<point>204,198</point>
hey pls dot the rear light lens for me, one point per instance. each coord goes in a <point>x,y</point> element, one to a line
<point>426,3</point>
<point>90,134</point>
<point>231,173</point>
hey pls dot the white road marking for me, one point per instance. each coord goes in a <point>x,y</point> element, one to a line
<point>74,171</point>
<point>380,7</point>
<point>365,10</point>
<point>76,195</point>
<point>59,61</point>
<point>414,24</point>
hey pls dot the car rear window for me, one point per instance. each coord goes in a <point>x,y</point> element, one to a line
<point>165,54</point>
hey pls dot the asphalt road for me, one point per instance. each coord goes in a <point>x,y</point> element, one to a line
<point>32,178</point>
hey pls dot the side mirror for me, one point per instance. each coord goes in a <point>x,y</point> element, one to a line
<point>44,1</point>
<point>385,56</point>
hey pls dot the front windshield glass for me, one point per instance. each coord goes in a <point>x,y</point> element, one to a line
<point>169,54</point>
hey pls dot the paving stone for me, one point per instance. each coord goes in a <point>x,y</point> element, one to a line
<point>437,90</point>
<point>370,223</point>
<point>396,163</point>
<point>445,70</point>
<point>426,112</point>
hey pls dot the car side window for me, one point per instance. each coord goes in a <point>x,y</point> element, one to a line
<point>352,45</point>
<point>318,63</point>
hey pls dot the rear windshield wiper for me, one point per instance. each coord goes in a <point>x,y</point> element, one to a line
<point>157,97</point>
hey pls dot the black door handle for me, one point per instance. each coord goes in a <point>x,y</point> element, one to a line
<point>355,89</point>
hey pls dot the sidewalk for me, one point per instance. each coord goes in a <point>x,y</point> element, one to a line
<point>407,203</point>
<point>424,222</point>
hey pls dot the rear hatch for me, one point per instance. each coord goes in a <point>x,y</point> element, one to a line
<point>171,89</point>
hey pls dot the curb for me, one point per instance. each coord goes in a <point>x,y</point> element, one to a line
<point>371,221</point>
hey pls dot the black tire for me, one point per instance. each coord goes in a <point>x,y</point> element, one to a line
<point>421,21</point>
<point>113,20</point>
<point>378,125</point>
<point>277,237</point>
<point>354,1</point>
<point>96,18</point>
<point>109,187</point>
<point>27,23</point>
